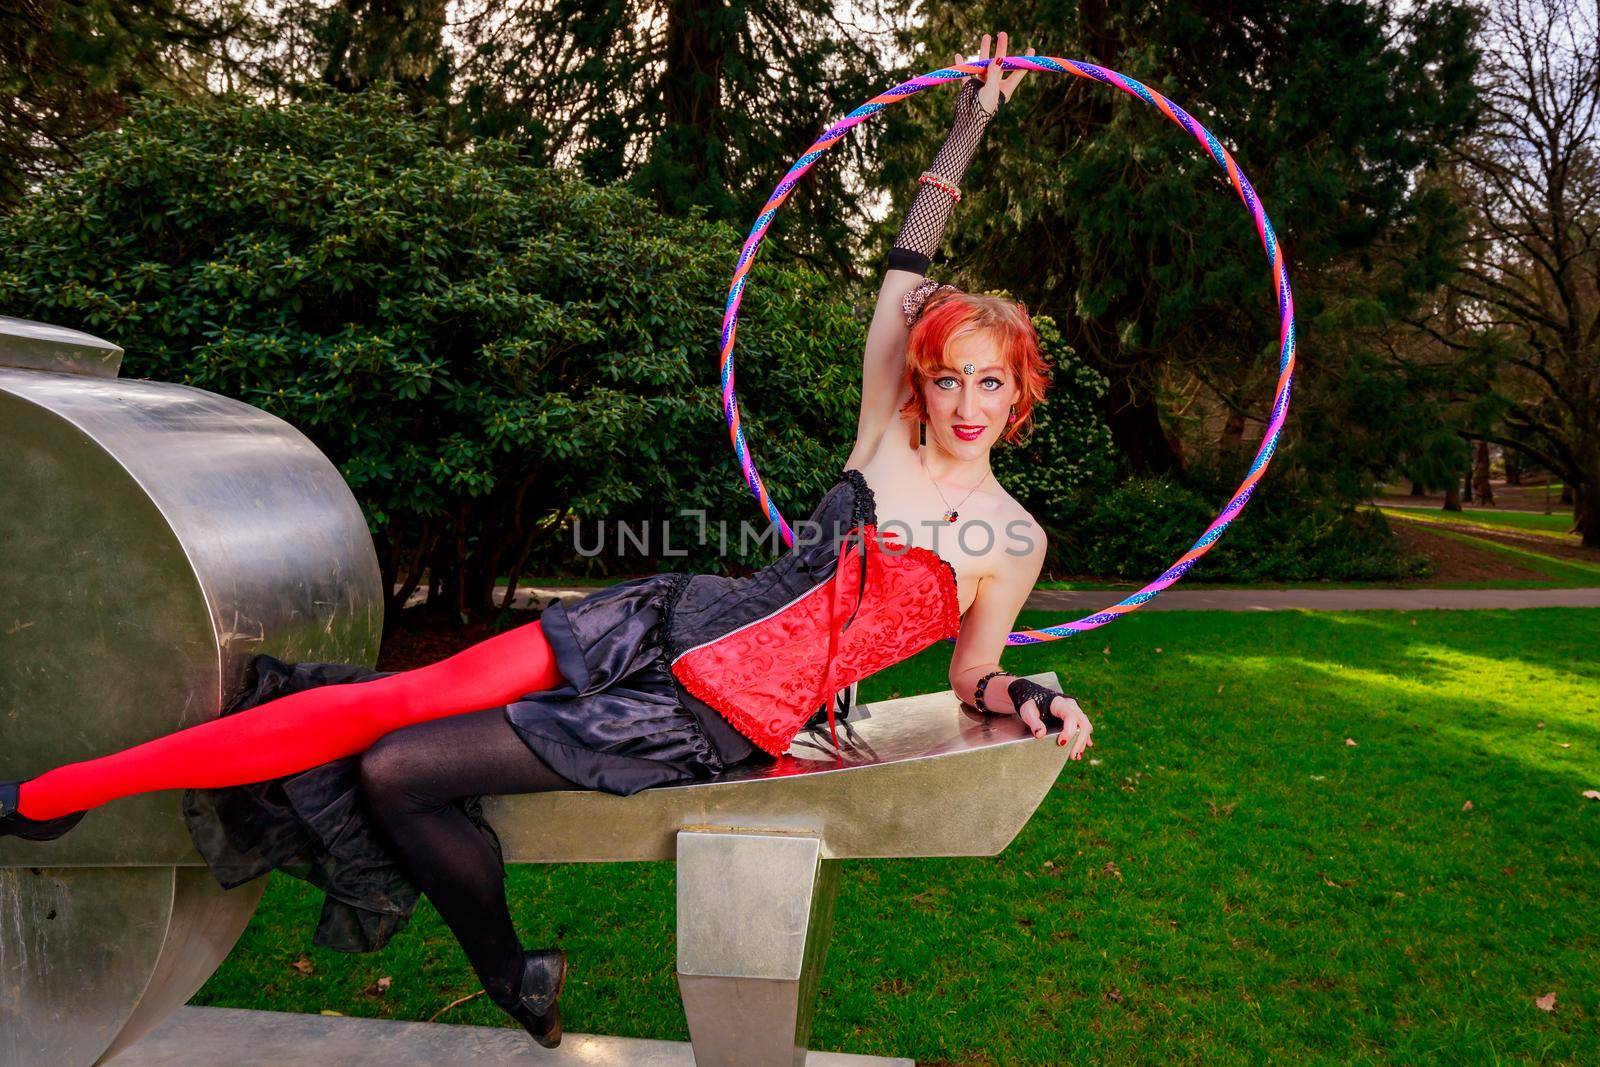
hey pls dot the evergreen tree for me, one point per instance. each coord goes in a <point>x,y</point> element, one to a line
<point>1094,208</point>
<point>696,104</point>
<point>71,67</point>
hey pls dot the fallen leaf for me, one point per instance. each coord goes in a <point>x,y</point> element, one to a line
<point>1319,777</point>
<point>1508,871</point>
<point>1219,688</point>
<point>330,1011</point>
<point>1350,741</point>
<point>1566,744</point>
<point>1106,651</point>
<point>1111,869</point>
<point>1539,727</point>
<point>1592,794</point>
<point>1158,651</point>
<point>1467,806</point>
<point>1413,622</point>
<point>1048,864</point>
<point>303,965</point>
<point>1113,996</point>
<point>1546,1002</point>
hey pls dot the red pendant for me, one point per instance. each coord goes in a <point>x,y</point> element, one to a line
<point>950,516</point>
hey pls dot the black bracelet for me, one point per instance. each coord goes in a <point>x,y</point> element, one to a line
<point>1024,689</point>
<point>977,696</point>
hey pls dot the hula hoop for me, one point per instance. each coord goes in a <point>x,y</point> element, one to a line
<point>1241,185</point>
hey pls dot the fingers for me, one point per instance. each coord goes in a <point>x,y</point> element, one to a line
<point>1008,84</point>
<point>993,65</point>
<point>1002,45</point>
<point>1029,713</point>
<point>1077,731</point>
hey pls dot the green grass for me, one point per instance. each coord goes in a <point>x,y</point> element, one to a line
<point>1558,571</point>
<point>1230,883</point>
<point>1555,527</point>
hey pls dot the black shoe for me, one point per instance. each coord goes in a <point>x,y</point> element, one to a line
<point>15,824</point>
<point>544,975</point>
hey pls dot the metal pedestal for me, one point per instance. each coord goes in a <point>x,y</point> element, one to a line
<point>754,914</point>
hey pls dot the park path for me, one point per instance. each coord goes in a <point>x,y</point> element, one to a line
<point>1083,602</point>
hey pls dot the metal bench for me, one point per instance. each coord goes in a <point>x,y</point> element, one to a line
<point>160,536</point>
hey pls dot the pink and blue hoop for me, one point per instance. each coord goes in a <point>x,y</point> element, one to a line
<point>1241,185</point>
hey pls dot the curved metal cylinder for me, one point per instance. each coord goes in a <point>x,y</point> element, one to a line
<point>158,537</point>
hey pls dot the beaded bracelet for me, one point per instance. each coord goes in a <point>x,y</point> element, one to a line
<point>929,178</point>
<point>912,304</point>
<point>977,696</point>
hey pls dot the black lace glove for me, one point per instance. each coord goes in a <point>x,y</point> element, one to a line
<point>1022,689</point>
<point>923,230</point>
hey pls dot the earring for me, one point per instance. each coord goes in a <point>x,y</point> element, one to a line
<point>1013,416</point>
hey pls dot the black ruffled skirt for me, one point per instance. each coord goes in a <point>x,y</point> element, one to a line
<point>616,725</point>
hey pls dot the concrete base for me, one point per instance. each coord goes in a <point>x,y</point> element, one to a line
<point>229,1037</point>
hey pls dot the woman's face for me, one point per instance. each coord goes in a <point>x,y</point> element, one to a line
<point>967,412</point>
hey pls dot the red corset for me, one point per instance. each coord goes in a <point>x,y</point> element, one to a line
<point>769,676</point>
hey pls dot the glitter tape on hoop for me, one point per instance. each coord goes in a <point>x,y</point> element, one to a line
<point>1241,186</point>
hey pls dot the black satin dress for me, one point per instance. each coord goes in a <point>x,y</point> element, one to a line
<point>620,723</point>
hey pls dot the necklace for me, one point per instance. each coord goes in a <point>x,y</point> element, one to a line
<point>950,513</point>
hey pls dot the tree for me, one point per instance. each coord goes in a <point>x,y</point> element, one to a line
<point>696,104</point>
<point>69,68</point>
<point>484,348</point>
<point>1096,209</point>
<point>487,350</point>
<point>1481,487</point>
<point>1531,283</point>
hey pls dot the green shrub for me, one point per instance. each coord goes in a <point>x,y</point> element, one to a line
<point>485,349</point>
<point>1142,526</point>
<point>1070,450</point>
<point>1295,539</point>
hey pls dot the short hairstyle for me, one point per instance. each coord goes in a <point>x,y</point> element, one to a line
<point>950,314</point>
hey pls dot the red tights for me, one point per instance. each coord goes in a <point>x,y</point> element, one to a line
<point>301,730</point>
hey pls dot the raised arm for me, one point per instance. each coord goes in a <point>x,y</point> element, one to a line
<point>883,387</point>
<point>883,364</point>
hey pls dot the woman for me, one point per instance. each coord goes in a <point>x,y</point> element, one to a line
<point>675,676</point>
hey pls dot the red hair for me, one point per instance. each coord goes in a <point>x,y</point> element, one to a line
<point>950,314</point>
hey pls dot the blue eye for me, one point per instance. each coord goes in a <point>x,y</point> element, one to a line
<point>951,378</point>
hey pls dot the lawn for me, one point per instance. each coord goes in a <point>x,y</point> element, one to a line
<point>1559,571</point>
<point>1557,526</point>
<point>1271,858</point>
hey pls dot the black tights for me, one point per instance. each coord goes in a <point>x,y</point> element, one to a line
<point>409,778</point>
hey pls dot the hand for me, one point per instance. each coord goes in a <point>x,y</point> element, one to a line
<point>1076,729</point>
<point>995,90</point>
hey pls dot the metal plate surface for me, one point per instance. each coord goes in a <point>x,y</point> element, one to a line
<point>157,538</point>
<point>918,776</point>
<point>41,346</point>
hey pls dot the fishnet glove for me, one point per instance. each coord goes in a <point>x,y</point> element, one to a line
<point>924,226</point>
<point>1021,690</point>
